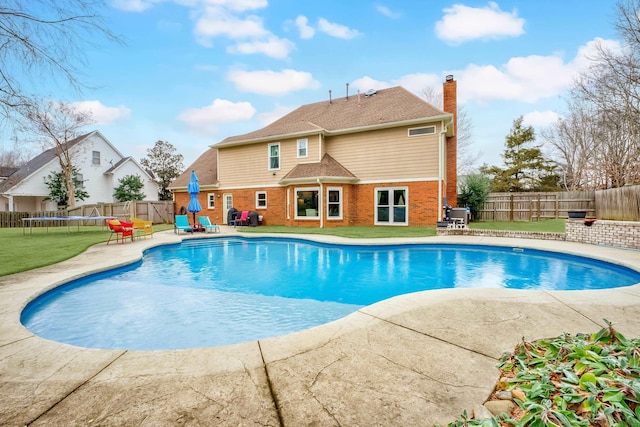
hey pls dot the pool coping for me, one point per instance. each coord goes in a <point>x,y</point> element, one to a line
<point>420,358</point>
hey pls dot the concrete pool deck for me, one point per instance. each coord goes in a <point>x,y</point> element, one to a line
<point>412,360</point>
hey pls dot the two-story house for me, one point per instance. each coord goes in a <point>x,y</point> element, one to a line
<point>100,167</point>
<point>384,157</point>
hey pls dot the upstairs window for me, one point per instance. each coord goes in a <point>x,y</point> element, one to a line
<point>274,156</point>
<point>426,130</point>
<point>302,148</point>
<point>95,156</point>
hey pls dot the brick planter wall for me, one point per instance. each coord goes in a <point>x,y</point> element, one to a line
<point>624,234</point>
<point>500,233</point>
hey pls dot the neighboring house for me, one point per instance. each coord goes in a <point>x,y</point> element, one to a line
<point>100,167</point>
<point>379,158</point>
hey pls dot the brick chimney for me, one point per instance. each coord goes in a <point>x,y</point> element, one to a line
<point>450,103</point>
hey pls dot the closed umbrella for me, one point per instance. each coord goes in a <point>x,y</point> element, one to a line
<point>194,188</point>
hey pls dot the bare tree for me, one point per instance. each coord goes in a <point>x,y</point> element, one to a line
<point>467,158</point>
<point>57,125</point>
<point>599,140</point>
<point>44,40</point>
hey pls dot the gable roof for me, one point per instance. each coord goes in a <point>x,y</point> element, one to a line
<point>6,171</point>
<point>206,168</point>
<point>386,108</point>
<point>35,164</point>
<point>42,159</point>
<point>126,160</point>
<point>328,169</point>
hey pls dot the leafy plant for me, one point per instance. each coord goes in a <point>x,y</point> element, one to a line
<point>130,188</point>
<point>474,190</point>
<point>58,190</point>
<point>582,380</point>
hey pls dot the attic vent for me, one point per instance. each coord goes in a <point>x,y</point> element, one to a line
<point>427,130</point>
<point>370,92</point>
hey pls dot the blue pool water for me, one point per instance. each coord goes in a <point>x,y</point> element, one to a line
<point>211,292</point>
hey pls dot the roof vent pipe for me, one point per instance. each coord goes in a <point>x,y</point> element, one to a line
<point>330,102</point>
<point>347,91</point>
<point>449,77</point>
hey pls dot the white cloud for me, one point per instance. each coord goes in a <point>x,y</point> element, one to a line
<point>205,120</point>
<point>306,31</point>
<point>133,5</point>
<point>540,118</point>
<point>336,30</point>
<point>273,47</point>
<point>217,22</point>
<point>463,23</point>
<point>271,116</point>
<point>388,12</point>
<point>273,83</point>
<point>101,114</point>
<point>238,5</point>
<point>524,78</point>
<point>414,83</point>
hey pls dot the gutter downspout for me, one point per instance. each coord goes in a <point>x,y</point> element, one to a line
<point>320,206</point>
<point>441,160</point>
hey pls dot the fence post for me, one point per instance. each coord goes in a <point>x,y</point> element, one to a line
<point>511,207</point>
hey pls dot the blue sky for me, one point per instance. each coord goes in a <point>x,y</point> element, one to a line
<point>193,72</point>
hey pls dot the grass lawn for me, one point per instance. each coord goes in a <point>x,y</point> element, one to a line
<point>547,225</point>
<point>353,232</point>
<point>20,252</point>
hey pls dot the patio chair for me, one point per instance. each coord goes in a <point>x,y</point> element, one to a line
<point>142,228</point>
<point>120,229</point>
<point>182,224</point>
<point>205,222</point>
<point>244,219</point>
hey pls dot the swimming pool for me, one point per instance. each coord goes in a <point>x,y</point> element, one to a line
<point>219,291</point>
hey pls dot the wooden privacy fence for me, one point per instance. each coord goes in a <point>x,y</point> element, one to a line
<point>536,206</point>
<point>621,204</point>
<point>14,219</point>
<point>160,212</point>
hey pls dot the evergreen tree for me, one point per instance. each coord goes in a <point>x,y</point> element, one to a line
<point>165,164</point>
<point>525,168</point>
<point>474,190</point>
<point>58,190</point>
<point>130,188</point>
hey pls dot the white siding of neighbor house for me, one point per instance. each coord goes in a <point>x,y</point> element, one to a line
<point>29,194</point>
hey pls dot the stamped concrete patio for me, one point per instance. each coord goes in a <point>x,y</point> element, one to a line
<point>413,360</point>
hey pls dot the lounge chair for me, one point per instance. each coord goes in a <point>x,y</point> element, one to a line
<point>142,228</point>
<point>205,222</point>
<point>182,224</point>
<point>120,229</point>
<point>244,219</point>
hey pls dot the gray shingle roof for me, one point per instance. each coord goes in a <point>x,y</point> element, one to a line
<point>387,106</point>
<point>327,167</point>
<point>206,167</point>
<point>35,164</point>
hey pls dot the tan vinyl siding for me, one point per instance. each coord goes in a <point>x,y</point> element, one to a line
<point>248,165</point>
<point>386,154</point>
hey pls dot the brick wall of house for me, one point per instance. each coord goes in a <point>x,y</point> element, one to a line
<point>450,105</point>
<point>624,234</point>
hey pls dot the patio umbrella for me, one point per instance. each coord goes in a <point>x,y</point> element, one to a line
<point>194,188</point>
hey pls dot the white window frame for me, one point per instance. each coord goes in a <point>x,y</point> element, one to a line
<point>295,209</point>
<point>258,205</point>
<point>211,200</point>
<point>95,158</point>
<point>330,203</point>
<point>391,206</point>
<point>80,177</point>
<point>303,144</point>
<point>431,131</point>
<point>269,157</point>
